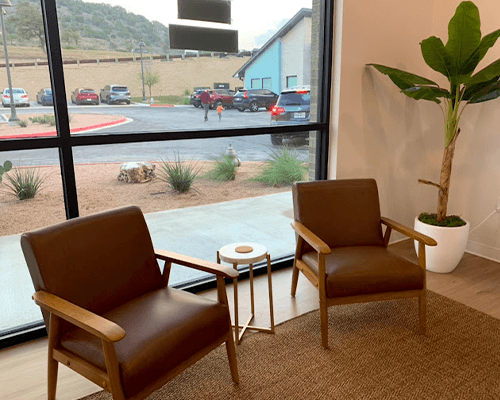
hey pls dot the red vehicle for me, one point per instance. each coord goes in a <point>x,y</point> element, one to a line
<point>84,96</point>
<point>222,97</point>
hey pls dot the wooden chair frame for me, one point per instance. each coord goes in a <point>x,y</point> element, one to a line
<point>110,333</point>
<point>304,235</point>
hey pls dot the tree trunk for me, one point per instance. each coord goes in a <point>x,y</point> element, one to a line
<point>444,181</point>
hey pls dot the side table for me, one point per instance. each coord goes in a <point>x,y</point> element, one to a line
<point>247,253</point>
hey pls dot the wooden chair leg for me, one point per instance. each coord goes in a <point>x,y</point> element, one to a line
<point>295,279</point>
<point>231,355</point>
<point>422,313</point>
<point>323,314</point>
<point>53,365</point>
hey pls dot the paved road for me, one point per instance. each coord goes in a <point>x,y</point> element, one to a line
<point>150,119</point>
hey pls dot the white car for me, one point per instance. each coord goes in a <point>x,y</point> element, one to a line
<point>20,97</point>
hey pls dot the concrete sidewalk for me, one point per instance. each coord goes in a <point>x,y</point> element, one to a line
<point>196,231</point>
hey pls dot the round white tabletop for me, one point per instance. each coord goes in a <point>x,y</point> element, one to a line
<point>243,253</point>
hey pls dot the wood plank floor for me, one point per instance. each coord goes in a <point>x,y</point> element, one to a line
<point>475,282</point>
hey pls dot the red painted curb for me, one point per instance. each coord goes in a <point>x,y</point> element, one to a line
<point>161,105</point>
<point>54,133</point>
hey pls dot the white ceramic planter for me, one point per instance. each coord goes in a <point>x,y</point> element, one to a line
<point>451,243</point>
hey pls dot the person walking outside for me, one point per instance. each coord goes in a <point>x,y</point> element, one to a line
<point>219,111</point>
<point>205,101</point>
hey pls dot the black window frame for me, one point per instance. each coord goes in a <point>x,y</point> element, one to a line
<point>65,143</point>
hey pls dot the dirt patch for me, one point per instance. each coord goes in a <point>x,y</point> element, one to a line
<point>98,189</point>
<point>76,121</point>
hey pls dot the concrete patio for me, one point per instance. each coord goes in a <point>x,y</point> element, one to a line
<point>196,231</point>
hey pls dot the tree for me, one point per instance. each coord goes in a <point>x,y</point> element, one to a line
<point>70,35</point>
<point>29,22</point>
<point>150,79</point>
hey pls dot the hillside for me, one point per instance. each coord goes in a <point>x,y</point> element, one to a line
<point>92,26</point>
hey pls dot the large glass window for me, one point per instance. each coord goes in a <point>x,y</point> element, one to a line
<point>31,197</point>
<point>121,95</point>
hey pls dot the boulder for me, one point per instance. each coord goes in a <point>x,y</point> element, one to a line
<point>136,172</point>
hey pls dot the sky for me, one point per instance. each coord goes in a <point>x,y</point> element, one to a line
<point>256,20</point>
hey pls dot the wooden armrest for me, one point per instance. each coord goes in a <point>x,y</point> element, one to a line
<point>316,243</point>
<point>428,241</point>
<point>196,263</point>
<point>87,320</point>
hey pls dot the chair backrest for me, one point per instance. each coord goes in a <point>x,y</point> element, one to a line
<point>340,212</point>
<point>97,262</point>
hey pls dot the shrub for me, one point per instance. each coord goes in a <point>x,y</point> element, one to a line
<point>22,123</point>
<point>186,92</point>
<point>46,119</point>
<point>24,183</point>
<point>283,168</point>
<point>223,170</point>
<point>178,174</point>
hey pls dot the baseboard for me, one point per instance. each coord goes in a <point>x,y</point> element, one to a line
<point>482,250</point>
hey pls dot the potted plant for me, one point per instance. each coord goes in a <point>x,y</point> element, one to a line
<point>457,61</point>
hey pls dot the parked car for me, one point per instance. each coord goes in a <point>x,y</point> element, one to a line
<point>222,97</point>
<point>293,107</point>
<point>21,97</point>
<point>253,99</point>
<point>195,97</point>
<point>44,97</point>
<point>84,96</point>
<point>115,94</point>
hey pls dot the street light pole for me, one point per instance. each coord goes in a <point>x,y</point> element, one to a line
<point>13,116</point>
<point>141,46</point>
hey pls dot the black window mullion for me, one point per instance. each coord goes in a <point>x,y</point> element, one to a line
<point>49,13</point>
<point>324,85</point>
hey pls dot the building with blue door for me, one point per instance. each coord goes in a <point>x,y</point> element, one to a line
<point>285,60</point>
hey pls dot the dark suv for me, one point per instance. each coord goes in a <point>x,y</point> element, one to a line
<point>253,99</point>
<point>293,107</point>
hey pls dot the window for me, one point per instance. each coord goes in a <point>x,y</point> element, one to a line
<point>291,81</point>
<point>267,83</point>
<point>256,83</point>
<point>93,141</point>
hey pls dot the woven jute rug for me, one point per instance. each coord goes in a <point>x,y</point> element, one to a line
<point>375,353</point>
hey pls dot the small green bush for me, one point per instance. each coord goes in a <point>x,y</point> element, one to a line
<point>22,123</point>
<point>46,119</point>
<point>223,170</point>
<point>178,174</point>
<point>24,183</point>
<point>186,92</point>
<point>283,168</point>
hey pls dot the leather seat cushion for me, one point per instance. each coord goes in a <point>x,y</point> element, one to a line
<point>163,328</point>
<point>358,270</point>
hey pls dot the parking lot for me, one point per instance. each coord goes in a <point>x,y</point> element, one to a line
<point>150,119</point>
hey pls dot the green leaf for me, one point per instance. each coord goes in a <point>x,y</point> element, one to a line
<point>436,56</point>
<point>490,92</point>
<point>464,33</point>
<point>486,74</point>
<point>403,77</point>
<point>7,165</point>
<point>479,52</point>
<point>474,89</point>
<point>427,93</point>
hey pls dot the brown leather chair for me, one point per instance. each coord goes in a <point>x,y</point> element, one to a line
<point>342,251</point>
<point>108,309</point>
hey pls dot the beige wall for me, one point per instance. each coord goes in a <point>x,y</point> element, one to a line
<point>396,140</point>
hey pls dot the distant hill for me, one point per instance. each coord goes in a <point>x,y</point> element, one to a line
<point>99,27</point>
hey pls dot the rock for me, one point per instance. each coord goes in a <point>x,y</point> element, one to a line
<point>136,172</point>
